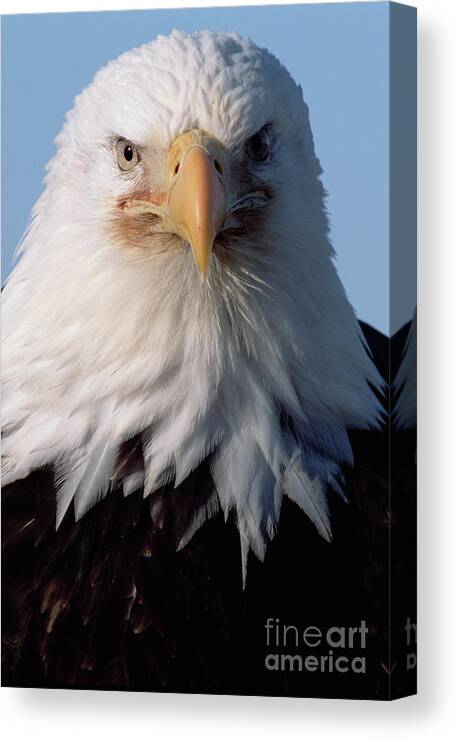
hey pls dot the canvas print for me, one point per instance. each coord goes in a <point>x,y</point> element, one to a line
<point>209,351</point>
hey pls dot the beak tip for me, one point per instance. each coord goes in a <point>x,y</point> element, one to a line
<point>202,253</point>
<point>202,270</point>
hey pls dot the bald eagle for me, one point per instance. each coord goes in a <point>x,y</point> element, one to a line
<point>182,372</point>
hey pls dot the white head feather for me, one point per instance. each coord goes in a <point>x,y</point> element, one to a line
<point>263,364</point>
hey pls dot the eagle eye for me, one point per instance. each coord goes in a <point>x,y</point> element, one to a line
<point>258,145</point>
<point>127,155</point>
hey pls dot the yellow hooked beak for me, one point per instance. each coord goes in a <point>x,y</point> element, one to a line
<point>196,202</point>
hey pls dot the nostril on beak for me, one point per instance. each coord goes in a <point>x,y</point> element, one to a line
<point>218,166</point>
<point>177,168</point>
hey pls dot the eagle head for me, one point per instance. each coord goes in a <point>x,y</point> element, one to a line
<point>177,283</point>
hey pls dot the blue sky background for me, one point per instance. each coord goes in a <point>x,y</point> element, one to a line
<point>338,52</point>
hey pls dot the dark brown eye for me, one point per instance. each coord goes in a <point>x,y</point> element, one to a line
<point>127,155</point>
<point>258,145</point>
